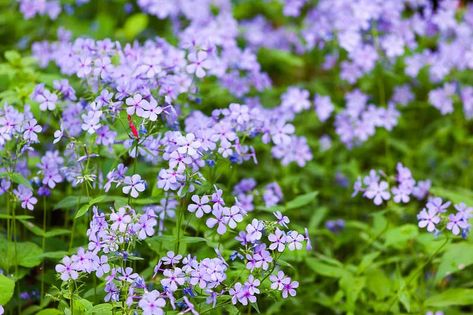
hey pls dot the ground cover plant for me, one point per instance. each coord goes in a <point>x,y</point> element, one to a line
<point>236,157</point>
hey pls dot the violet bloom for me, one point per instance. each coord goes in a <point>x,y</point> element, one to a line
<point>436,204</point>
<point>219,219</point>
<point>173,279</point>
<point>137,104</point>
<point>289,288</point>
<point>294,240</point>
<point>101,265</point>
<point>127,275</point>
<point>281,219</point>
<point>401,193</point>
<point>428,218</point>
<point>200,206</point>
<point>277,281</point>
<point>171,258</point>
<point>152,303</point>
<point>120,220</point>
<point>67,269</point>
<point>254,230</point>
<point>133,185</point>
<point>456,222</point>
<point>233,216</point>
<point>199,63</point>
<point>26,197</point>
<point>323,107</point>
<point>378,192</point>
<point>278,240</point>
<point>46,100</point>
<point>30,130</point>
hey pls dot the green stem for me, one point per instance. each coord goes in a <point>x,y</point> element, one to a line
<point>43,246</point>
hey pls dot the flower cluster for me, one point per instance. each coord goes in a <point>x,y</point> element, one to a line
<point>375,186</point>
<point>435,214</point>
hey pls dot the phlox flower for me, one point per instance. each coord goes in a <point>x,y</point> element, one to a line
<point>378,192</point>
<point>200,205</point>
<point>67,269</point>
<point>456,223</point>
<point>428,218</point>
<point>133,185</point>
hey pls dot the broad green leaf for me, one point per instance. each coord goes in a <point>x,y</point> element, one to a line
<point>7,287</point>
<point>325,269</point>
<point>134,25</point>
<point>397,237</point>
<point>82,210</point>
<point>456,258</point>
<point>28,254</point>
<point>33,228</point>
<point>71,202</point>
<point>451,297</point>
<point>302,200</point>
<point>378,283</point>
<point>352,286</point>
<point>54,255</point>
<point>57,232</point>
<point>100,309</point>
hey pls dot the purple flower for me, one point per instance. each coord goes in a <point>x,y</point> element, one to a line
<point>174,277</point>
<point>171,258</point>
<point>133,185</point>
<point>277,281</point>
<point>289,287</point>
<point>281,219</point>
<point>67,269</point>
<point>219,219</point>
<point>199,63</point>
<point>456,222</point>
<point>323,107</point>
<point>294,240</point>
<point>152,303</point>
<point>428,218</point>
<point>120,220</point>
<point>378,192</point>
<point>278,240</point>
<point>200,206</point>
<point>436,204</point>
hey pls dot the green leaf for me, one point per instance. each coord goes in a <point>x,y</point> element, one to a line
<point>71,202</point>
<point>57,232</point>
<point>451,297</point>
<point>82,210</point>
<point>378,283</point>
<point>28,254</point>
<point>398,237</point>
<point>456,258</point>
<point>100,309</point>
<point>134,25</point>
<point>54,255</point>
<point>7,287</point>
<point>17,178</point>
<point>12,56</point>
<point>325,269</point>
<point>352,286</point>
<point>302,200</point>
<point>33,228</point>
<point>17,217</point>
<point>49,311</point>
